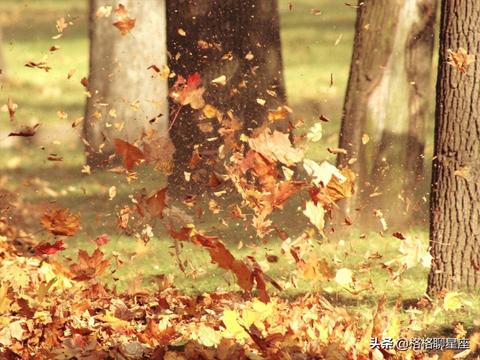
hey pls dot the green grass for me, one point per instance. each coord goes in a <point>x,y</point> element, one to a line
<point>310,57</point>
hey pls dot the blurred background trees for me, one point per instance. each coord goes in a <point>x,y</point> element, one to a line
<point>127,90</point>
<point>386,108</point>
<point>235,47</point>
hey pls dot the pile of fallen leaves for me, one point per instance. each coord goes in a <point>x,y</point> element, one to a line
<point>48,311</point>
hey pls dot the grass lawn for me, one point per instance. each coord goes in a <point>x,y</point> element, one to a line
<point>316,48</point>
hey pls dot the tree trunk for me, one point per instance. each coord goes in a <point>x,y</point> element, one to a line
<point>125,93</point>
<point>455,207</point>
<point>237,39</point>
<point>385,99</point>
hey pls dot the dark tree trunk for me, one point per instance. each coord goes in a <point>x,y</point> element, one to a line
<point>237,39</point>
<point>391,62</point>
<point>455,195</point>
<point>125,94</point>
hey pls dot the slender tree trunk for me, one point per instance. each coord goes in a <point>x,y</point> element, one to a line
<point>237,39</point>
<point>455,206</point>
<point>385,105</point>
<point>125,93</point>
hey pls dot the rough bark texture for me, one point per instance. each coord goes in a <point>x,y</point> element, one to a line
<point>238,39</point>
<point>120,80</point>
<point>455,206</point>
<point>391,62</point>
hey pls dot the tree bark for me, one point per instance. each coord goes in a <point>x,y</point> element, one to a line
<point>125,93</point>
<point>237,39</point>
<point>455,206</point>
<point>391,62</point>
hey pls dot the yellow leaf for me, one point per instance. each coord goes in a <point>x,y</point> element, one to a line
<point>344,277</point>
<point>452,301</point>
<point>4,300</point>
<point>210,111</point>
<point>232,326</point>
<point>316,214</point>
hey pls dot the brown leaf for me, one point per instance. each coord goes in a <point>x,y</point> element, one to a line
<point>131,154</point>
<point>125,23</point>
<point>156,203</point>
<point>89,267</point>
<point>27,131</point>
<point>61,222</point>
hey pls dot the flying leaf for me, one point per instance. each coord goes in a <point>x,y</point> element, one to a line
<point>27,131</point>
<point>61,222</point>
<point>276,146</point>
<point>323,173</point>
<point>460,59</point>
<point>188,92</point>
<point>131,154</point>
<point>125,23</point>
<point>315,213</point>
<point>315,133</point>
<point>49,249</point>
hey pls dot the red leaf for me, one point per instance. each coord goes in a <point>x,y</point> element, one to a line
<point>49,249</point>
<point>131,154</point>
<point>102,239</point>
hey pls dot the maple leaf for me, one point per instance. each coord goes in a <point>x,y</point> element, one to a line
<point>89,267</point>
<point>61,25</point>
<point>61,222</point>
<point>188,92</point>
<point>49,249</point>
<point>276,146</point>
<point>131,154</point>
<point>460,59</point>
<point>125,23</point>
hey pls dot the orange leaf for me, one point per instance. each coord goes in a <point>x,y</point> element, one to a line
<point>88,267</point>
<point>60,222</point>
<point>125,23</point>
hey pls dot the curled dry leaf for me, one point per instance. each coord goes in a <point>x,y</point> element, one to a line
<point>61,222</point>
